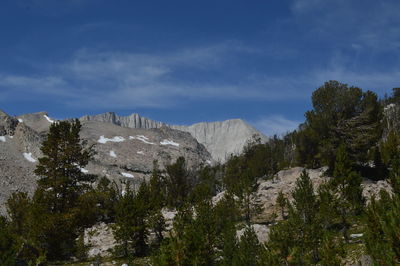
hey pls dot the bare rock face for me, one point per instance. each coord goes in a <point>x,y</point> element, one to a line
<point>221,139</point>
<point>132,121</point>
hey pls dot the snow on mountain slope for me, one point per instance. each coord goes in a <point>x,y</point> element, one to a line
<point>118,150</point>
<point>221,139</point>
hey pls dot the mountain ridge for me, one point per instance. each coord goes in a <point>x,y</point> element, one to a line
<point>221,138</point>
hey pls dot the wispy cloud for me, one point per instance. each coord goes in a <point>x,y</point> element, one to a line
<point>115,80</point>
<point>122,80</point>
<point>369,24</point>
<point>275,125</point>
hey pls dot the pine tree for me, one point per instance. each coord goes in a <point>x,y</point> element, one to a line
<point>228,245</point>
<point>383,229</point>
<point>177,183</point>
<point>53,221</point>
<point>8,250</point>
<point>348,184</point>
<point>390,148</point>
<point>175,250</point>
<point>282,202</point>
<point>60,169</point>
<point>306,236</point>
<point>131,227</point>
<point>383,224</point>
<point>249,248</point>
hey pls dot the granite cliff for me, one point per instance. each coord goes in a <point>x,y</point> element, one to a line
<point>221,139</point>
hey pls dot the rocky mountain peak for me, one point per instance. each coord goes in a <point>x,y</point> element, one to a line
<point>221,138</point>
<point>131,121</point>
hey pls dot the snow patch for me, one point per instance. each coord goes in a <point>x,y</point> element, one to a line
<point>83,170</point>
<point>28,156</point>
<point>127,175</point>
<point>104,140</point>
<point>49,119</point>
<point>112,154</point>
<point>3,138</point>
<point>140,152</point>
<point>142,138</point>
<point>20,120</point>
<point>11,137</point>
<point>169,142</point>
<point>356,235</point>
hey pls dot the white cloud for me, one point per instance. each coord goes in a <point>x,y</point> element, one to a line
<point>275,124</point>
<point>122,80</point>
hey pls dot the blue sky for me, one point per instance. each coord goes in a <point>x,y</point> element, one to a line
<point>183,62</point>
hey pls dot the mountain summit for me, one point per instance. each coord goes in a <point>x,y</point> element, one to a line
<point>221,139</point>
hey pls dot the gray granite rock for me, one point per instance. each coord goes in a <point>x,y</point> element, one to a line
<point>221,139</point>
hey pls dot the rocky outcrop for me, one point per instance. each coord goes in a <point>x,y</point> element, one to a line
<point>221,139</point>
<point>7,124</point>
<point>285,181</point>
<point>391,121</point>
<point>100,240</point>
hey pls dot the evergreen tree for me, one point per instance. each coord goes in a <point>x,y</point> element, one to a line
<point>383,223</point>
<point>177,183</point>
<point>175,249</point>
<point>390,148</point>
<point>347,184</point>
<point>306,236</point>
<point>131,228</point>
<point>282,202</point>
<point>156,201</point>
<point>18,207</point>
<point>8,251</point>
<point>383,229</point>
<point>228,245</point>
<point>50,222</point>
<point>227,214</point>
<point>60,169</point>
<point>340,114</point>
<point>249,248</point>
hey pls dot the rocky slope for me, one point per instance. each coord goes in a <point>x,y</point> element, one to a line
<point>221,139</point>
<point>103,240</point>
<point>122,154</point>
